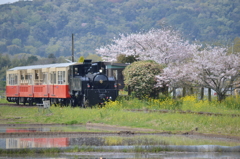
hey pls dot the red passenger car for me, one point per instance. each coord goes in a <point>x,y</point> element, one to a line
<point>32,84</point>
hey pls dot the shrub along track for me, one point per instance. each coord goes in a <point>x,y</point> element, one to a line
<point>149,111</point>
<point>182,112</point>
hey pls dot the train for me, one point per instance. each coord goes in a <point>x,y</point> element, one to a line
<point>76,84</point>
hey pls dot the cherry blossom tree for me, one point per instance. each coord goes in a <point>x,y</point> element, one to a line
<point>161,45</point>
<point>216,69</point>
<point>210,68</point>
<point>185,63</point>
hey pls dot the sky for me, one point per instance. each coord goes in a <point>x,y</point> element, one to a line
<point>7,1</point>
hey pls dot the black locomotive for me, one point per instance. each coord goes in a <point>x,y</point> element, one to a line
<point>89,85</point>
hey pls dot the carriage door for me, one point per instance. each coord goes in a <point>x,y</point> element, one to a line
<point>53,81</point>
<point>12,85</point>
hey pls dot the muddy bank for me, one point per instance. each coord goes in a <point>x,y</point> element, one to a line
<point>112,130</point>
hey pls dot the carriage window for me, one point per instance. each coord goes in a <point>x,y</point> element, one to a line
<point>45,78</point>
<point>22,77</point>
<point>53,78</point>
<point>29,78</point>
<point>61,77</point>
<point>115,74</point>
<point>13,79</point>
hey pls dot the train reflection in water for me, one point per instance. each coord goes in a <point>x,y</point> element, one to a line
<point>14,143</point>
<point>19,143</point>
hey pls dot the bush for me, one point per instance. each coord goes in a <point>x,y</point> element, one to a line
<point>140,77</point>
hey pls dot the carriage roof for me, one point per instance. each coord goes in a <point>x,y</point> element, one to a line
<point>41,66</point>
<point>109,65</point>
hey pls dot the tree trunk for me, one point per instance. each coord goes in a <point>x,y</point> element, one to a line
<point>209,95</point>
<point>221,97</point>
<point>174,93</point>
<point>184,92</point>
<point>165,90</point>
<point>129,90</point>
<point>191,91</point>
<point>202,93</point>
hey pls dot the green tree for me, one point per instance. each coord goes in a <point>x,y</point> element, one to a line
<point>52,58</point>
<point>2,47</point>
<point>32,59</point>
<point>94,57</point>
<point>81,59</point>
<point>30,49</point>
<point>234,47</point>
<point>13,49</point>
<point>53,49</point>
<point>17,42</point>
<point>126,59</point>
<point>140,77</point>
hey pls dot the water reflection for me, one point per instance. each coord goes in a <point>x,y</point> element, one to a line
<point>110,142</point>
<point>14,143</point>
<point>118,155</point>
<point>106,141</point>
<point>45,128</point>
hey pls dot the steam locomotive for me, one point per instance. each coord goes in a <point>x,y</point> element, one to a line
<point>89,84</point>
<point>76,84</point>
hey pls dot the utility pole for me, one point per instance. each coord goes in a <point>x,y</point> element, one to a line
<point>72,47</point>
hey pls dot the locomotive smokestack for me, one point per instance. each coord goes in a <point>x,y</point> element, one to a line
<point>72,47</point>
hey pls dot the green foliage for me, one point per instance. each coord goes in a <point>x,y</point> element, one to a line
<point>35,23</point>
<point>32,59</point>
<point>140,77</point>
<point>17,42</point>
<point>126,59</point>
<point>94,57</point>
<point>81,59</point>
<point>232,103</point>
<point>235,46</point>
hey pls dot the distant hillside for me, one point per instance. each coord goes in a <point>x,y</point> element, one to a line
<point>44,27</point>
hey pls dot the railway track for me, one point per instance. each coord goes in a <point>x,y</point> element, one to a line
<point>15,105</point>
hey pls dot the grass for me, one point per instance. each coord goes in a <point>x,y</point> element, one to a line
<point>163,140</point>
<point>114,113</point>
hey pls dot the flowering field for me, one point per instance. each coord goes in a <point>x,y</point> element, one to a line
<point>189,103</point>
<point>140,114</point>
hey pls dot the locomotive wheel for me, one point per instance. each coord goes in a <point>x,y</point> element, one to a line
<point>72,102</point>
<point>30,102</point>
<point>86,103</point>
<point>17,102</point>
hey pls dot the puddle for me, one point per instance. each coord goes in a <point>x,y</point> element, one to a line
<point>118,155</point>
<point>108,142</point>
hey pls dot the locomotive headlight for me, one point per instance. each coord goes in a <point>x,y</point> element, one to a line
<point>100,70</point>
<point>88,85</point>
